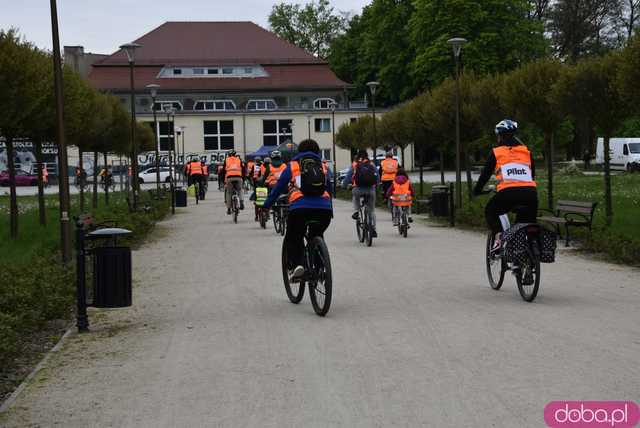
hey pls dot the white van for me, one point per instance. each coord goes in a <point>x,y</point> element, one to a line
<point>625,152</point>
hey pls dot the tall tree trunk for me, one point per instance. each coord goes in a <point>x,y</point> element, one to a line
<point>467,160</point>
<point>13,199</point>
<point>442,165</point>
<point>82,181</point>
<point>94,199</point>
<point>607,180</point>
<point>106,188</point>
<point>402,154</point>
<point>549,136</point>
<point>40,165</point>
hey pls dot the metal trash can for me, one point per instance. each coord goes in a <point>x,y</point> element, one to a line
<point>111,270</point>
<point>440,201</point>
<point>181,198</point>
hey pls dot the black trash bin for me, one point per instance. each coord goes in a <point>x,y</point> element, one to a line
<point>440,201</point>
<point>111,270</point>
<point>181,198</point>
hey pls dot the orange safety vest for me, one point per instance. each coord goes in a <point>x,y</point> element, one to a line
<point>401,194</point>
<point>389,169</point>
<point>205,169</point>
<point>194,167</point>
<point>233,167</point>
<point>513,167</point>
<point>296,182</point>
<point>274,174</point>
<point>250,165</point>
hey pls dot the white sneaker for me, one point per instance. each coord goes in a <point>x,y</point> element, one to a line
<point>297,272</point>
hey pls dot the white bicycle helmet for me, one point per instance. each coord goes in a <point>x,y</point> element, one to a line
<point>506,126</point>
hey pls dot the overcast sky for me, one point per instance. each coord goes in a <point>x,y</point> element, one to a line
<point>103,25</point>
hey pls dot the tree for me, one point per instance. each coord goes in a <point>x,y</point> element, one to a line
<point>396,129</point>
<point>629,75</point>
<point>18,92</point>
<point>500,33</point>
<point>312,27</point>
<point>589,89</point>
<point>581,28</point>
<point>528,93</point>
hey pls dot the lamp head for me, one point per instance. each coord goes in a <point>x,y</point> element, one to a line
<point>130,50</point>
<point>373,86</point>
<point>153,89</point>
<point>456,43</point>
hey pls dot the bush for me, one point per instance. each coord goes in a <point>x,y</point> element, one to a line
<point>571,170</point>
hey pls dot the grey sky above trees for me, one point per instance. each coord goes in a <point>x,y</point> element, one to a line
<point>102,26</point>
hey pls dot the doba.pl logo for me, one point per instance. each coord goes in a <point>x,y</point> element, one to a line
<point>592,414</point>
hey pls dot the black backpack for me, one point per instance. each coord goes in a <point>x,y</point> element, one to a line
<point>365,174</point>
<point>313,181</point>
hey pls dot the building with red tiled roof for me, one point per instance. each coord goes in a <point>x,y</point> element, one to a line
<point>234,85</point>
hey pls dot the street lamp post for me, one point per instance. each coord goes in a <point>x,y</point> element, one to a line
<point>309,124</point>
<point>153,88</point>
<point>456,44</point>
<point>130,49</point>
<point>169,110</point>
<point>333,106</point>
<point>184,159</point>
<point>63,180</point>
<point>373,87</point>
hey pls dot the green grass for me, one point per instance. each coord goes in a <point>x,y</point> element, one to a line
<point>34,285</point>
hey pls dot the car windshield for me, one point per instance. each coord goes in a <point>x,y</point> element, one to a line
<point>634,147</point>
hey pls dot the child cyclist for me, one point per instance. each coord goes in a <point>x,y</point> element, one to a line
<point>401,194</point>
<point>306,181</point>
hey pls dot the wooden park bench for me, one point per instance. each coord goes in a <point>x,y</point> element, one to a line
<point>569,213</point>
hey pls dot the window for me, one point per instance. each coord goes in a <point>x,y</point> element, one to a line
<point>218,134</point>
<point>634,147</point>
<point>164,129</point>
<point>227,70</point>
<point>248,70</point>
<point>276,132</point>
<point>221,105</point>
<point>158,106</point>
<point>326,154</point>
<point>177,71</point>
<point>198,71</point>
<point>212,71</point>
<point>261,105</point>
<point>323,125</point>
<point>323,103</point>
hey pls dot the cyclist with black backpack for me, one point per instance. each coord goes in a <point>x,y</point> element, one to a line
<point>306,181</point>
<point>362,176</point>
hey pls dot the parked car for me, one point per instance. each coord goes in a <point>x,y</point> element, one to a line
<point>149,175</point>
<point>23,178</point>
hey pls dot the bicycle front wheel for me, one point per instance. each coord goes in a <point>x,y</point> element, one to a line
<point>283,224</point>
<point>295,290</point>
<point>528,279</point>
<point>320,287</point>
<point>496,265</point>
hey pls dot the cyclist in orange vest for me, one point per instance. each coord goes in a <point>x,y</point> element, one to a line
<point>309,202</point>
<point>205,175</point>
<point>194,172</point>
<point>233,170</point>
<point>275,169</point>
<point>401,194</point>
<point>388,170</point>
<point>514,168</point>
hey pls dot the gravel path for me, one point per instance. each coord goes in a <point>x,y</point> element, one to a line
<point>415,337</point>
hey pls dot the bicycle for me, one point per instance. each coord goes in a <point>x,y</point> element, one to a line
<point>363,222</point>
<point>280,213</point>
<point>262,214</point>
<point>403,223</point>
<point>317,264</point>
<point>235,205</point>
<point>106,183</point>
<point>82,183</point>
<point>527,268</point>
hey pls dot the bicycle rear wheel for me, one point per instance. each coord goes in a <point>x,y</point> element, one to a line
<point>496,265</point>
<point>321,286</point>
<point>262,216</point>
<point>368,228</point>
<point>528,279</point>
<point>235,209</point>
<point>295,290</point>
<point>283,222</point>
<point>276,220</point>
